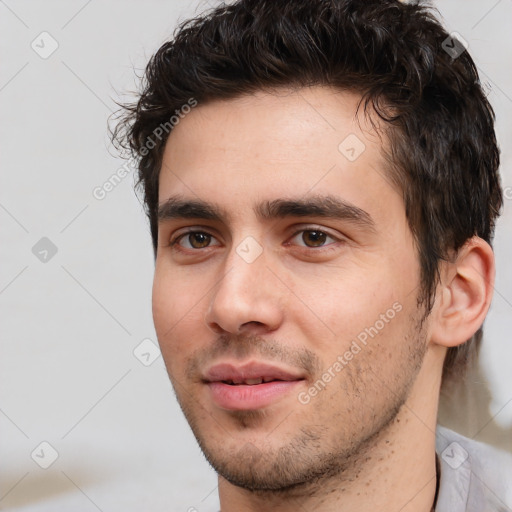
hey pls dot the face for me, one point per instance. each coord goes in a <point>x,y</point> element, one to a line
<point>286,285</point>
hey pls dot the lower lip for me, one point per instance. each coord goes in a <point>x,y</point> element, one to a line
<point>244,397</point>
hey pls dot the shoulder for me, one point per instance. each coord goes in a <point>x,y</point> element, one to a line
<point>474,476</point>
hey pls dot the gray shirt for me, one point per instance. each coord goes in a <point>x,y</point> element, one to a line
<point>475,477</point>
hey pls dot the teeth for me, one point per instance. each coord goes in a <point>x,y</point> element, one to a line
<point>248,382</point>
<point>252,382</point>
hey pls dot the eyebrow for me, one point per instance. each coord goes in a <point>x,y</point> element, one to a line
<point>178,207</point>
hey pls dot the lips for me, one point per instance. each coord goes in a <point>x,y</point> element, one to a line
<point>249,373</point>
<point>250,386</point>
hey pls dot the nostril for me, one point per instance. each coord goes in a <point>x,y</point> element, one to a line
<point>216,328</point>
<point>250,324</point>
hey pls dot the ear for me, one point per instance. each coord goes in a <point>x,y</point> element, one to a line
<point>464,294</point>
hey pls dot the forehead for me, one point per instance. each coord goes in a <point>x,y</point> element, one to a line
<point>285,122</point>
<point>303,141</point>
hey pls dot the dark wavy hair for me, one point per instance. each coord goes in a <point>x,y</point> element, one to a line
<point>442,151</point>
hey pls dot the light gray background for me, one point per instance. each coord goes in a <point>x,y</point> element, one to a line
<point>70,325</point>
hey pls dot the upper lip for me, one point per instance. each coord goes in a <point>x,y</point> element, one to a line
<point>252,370</point>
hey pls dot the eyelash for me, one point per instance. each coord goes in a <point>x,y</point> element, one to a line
<point>174,243</point>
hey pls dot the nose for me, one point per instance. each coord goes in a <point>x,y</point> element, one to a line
<point>246,299</point>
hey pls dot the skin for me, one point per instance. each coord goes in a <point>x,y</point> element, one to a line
<point>367,439</point>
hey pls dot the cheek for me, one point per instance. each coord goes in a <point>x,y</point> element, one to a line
<point>173,296</point>
<point>368,304</point>
<point>177,314</point>
<point>164,303</point>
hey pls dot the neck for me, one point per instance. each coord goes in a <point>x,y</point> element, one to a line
<point>397,471</point>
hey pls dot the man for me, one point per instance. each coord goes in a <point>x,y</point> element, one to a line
<point>321,183</point>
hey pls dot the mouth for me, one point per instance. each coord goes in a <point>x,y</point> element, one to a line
<point>249,386</point>
<point>250,382</point>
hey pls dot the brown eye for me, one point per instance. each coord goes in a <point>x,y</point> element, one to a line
<point>194,240</point>
<point>313,238</point>
<point>199,240</point>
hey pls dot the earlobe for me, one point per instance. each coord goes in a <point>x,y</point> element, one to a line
<point>464,294</point>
